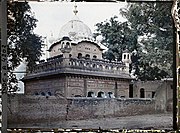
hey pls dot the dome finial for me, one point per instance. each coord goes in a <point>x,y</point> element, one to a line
<point>75,9</point>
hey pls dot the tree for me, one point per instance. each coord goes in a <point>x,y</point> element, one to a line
<point>149,32</point>
<point>117,36</point>
<point>23,44</point>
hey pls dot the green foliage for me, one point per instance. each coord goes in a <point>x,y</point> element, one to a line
<point>23,44</point>
<point>117,37</point>
<point>149,32</point>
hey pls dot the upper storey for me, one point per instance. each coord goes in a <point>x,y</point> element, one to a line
<point>76,40</point>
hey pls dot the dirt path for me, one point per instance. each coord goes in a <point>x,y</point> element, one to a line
<point>156,121</point>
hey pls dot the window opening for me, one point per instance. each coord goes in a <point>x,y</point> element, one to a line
<point>153,94</point>
<point>79,55</point>
<point>36,93</point>
<point>142,94</point>
<point>131,90</point>
<point>87,56</point>
<point>128,56</point>
<point>49,94</point>
<point>110,95</point>
<point>100,94</point>
<point>95,57</point>
<point>90,94</point>
<point>124,56</point>
<point>43,94</point>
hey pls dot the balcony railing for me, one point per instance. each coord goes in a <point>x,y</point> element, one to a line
<point>75,64</point>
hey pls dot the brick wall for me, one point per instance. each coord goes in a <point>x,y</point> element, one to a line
<point>53,85</point>
<point>72,86</point>
<point>39,111</point>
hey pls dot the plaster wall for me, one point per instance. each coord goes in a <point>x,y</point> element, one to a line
<point>88,48</point>
<point>55,112</point>
<point>162,89</point>
<point>82,47</point>
<point>55,50</point>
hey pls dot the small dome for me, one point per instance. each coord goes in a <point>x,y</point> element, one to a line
<point>126,51</point>
<point>75,30</point>
<point>51,38</point>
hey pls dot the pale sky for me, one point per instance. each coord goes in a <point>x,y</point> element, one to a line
<point>53,15</point>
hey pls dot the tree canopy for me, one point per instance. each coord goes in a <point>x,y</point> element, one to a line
<point>147,33</point>
<point>23,44</point>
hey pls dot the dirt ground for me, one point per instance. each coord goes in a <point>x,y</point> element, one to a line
<point>155,121</point>
<point>144,122</point>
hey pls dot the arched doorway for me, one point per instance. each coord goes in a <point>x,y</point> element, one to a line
<point>87,56</point>
<point>100,94</point>
<point>94,57</point>
<point>142,93</point>
<point>131,91</point>
<point>79,55</point>
<point>90,94</point>
<point>110,95</point>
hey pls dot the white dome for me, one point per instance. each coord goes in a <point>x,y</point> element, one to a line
<point>76,30</point>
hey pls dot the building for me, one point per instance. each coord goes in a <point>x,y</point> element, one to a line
<point>76,67</point>
<point>76,83</point>
<point>160,90</point>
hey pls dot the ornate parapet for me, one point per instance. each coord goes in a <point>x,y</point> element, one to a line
<point>83,65</point>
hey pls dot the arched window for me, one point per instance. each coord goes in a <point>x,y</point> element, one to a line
<point>153,94</point>
<point>142,94</point>
<point>68,45</point>
<point>131,90</point>
<point>81,63</point>
<point>117,68</point>
<point>100,94</point>
<point>110,95</point>
<point>94,65</point>
<point>70,55</point>
<point>94,57</point>
<point>62,44</point>
<point>128,56</point>
<point>107,67</point>
<point>49,94</point>
<point>43,94</point>
<point>79,55</point>
<point>124,56</point>
<point>87,64</point>
<point>90,94</point>
<point>100,66</point>
<point>36,93</point>
<point>87,56</point>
